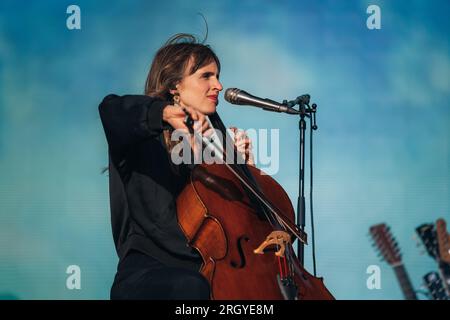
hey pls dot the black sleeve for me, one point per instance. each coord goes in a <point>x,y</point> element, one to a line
<point>129,119</point>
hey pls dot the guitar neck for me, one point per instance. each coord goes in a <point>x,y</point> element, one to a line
<point>405,282</point>
<point>444,269</point>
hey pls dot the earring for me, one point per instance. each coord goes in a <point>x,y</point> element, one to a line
<point>176,99</point>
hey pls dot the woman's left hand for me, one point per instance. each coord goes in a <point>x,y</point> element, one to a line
<point>244,145</point>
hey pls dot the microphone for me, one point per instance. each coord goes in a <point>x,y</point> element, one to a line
<point>240,97</point>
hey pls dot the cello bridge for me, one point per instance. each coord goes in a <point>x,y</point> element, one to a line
<point>278,238</point>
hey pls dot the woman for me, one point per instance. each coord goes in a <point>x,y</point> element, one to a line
<point>155,261</point>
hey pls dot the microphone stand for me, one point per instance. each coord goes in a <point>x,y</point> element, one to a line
<point>304,111</point>
<point>237,96</point>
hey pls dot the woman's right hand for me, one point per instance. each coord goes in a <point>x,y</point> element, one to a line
<point>176,115</point>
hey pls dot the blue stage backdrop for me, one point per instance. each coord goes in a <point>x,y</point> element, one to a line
<point>381,153</point>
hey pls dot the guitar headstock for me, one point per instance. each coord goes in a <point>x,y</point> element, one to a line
<point>435,287</point>
<point>443,239</point>
<point>427,235</point>
<point>386,243</point>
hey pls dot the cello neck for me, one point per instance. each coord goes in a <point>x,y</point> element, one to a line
<point>217,123</point>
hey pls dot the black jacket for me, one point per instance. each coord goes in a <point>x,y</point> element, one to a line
<point>143,183</point>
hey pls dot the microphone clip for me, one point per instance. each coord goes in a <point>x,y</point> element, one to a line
<point>305,110</point>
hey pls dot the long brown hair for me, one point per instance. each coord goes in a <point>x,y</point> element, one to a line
<point>172,59</point>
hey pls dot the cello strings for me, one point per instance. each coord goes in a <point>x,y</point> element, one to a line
<point>282,223</point>
<point>218,147</point>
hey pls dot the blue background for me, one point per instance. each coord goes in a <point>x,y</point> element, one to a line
<point>381,151</point>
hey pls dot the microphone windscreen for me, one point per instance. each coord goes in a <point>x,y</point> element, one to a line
<point>231,94</point>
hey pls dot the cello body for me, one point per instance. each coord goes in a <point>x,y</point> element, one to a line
<point>219,220</point>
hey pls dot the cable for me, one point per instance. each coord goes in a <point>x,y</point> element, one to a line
<point>311,195</point>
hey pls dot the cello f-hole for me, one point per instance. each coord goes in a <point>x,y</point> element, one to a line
<point>241,253</point>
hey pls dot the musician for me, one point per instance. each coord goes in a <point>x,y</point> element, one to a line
<point>155,261</point>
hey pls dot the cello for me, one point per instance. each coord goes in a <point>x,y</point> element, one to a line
<point>241,222</point>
